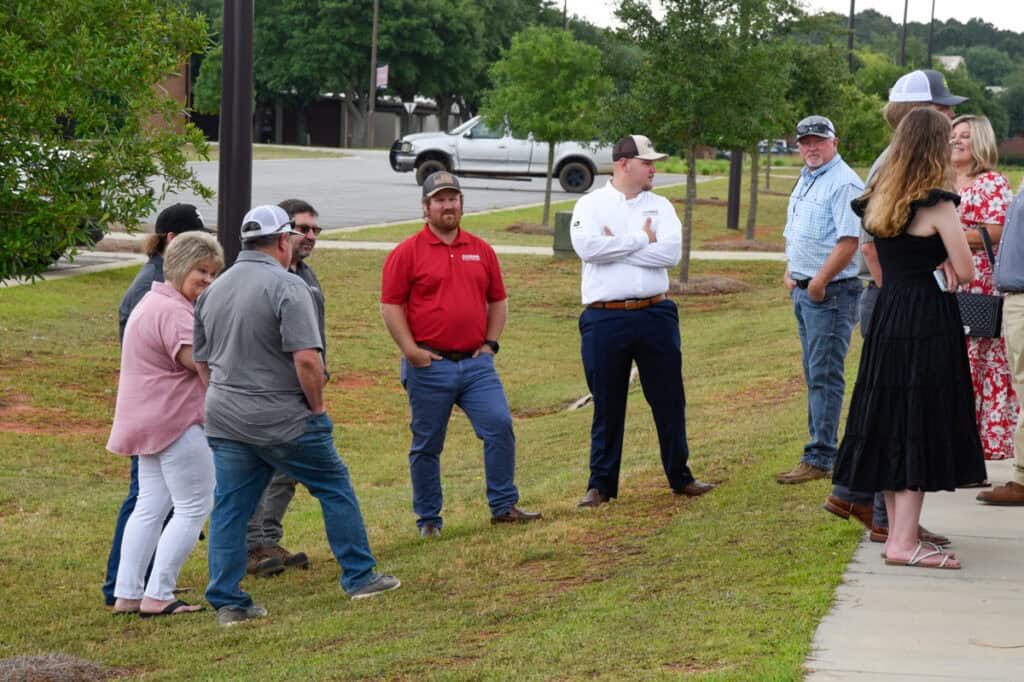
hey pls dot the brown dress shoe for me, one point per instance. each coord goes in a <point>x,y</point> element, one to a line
<point>593,498</point>
<point>844,510</point>
<point>695,489</point>
<point>879,534</point>
<point>802,473</point>
<point>516,515</point>
<point>1007,495</point>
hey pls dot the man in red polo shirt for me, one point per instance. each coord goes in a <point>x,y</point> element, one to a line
<point>444,303</point>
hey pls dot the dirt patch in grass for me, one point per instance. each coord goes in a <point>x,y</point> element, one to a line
<point>354,381</point>
<point>743,245</point>
<point>708,285</point>
<point>19,417</point>
<point>55,668</point>
<point>769,392</point>
<point>529,228</point>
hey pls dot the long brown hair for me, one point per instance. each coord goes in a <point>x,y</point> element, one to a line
<point>917,161</point>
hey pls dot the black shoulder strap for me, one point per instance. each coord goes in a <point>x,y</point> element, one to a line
<point>988,244</point>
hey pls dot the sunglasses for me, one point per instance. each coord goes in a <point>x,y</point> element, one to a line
<point>813,129</point>
<point>306,229</point>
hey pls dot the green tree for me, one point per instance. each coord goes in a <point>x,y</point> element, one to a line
<point>701,58</point>
<point>83,125</point>
<point>1012,100</point>
<point>987,64</point>
<point>549,85</point>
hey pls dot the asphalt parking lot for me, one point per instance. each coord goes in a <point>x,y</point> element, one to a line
<point>361,189</point>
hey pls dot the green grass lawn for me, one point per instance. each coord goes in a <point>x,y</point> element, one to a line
<point>730,586</point>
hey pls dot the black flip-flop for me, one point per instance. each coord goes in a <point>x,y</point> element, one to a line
<point>170,610</point>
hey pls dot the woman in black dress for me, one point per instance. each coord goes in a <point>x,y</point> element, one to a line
<point>911,427</point>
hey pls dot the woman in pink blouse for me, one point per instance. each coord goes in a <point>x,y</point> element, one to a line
<point>984,197</point>
<point>159,416</point>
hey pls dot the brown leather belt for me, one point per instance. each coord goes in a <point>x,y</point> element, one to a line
<point>629,303</point>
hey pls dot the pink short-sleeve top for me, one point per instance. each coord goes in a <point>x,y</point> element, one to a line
<point>157,397</point>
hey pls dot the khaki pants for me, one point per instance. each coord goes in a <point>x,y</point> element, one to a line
<point>1013,332</point>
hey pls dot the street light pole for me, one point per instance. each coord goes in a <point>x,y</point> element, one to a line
<point>373,76</point>
<point>903,36</point>
<point>931,32</point>
<point>849,37</point>
<point>234,183</point>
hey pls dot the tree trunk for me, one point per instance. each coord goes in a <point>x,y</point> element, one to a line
<point>301,138</point>
<point>752,208</point>
<point>547,184</point>
<point>444,111</point>
<point>691,199</point>
<point>358,119</point>
<point>768,169</point>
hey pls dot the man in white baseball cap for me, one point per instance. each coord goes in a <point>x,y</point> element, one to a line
<point>258,347</point>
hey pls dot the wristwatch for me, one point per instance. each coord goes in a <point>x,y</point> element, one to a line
<point>493,344</point>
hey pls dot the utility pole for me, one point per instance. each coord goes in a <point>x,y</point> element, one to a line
<point>732,210</point>
<point>849,37</point>
<point>903,36</point>
<point>234,184</point>
<point>931,32</point>
<point>565,15</point>
<point>373,76</point>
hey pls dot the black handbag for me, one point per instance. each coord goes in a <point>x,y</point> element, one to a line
<point>982,314</point>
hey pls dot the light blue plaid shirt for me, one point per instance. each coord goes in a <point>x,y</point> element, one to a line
<point>819,215</point>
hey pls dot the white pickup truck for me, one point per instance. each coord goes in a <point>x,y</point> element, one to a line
<point>475,150</point>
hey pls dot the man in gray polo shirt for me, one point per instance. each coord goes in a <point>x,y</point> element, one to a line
<point>258,347</point>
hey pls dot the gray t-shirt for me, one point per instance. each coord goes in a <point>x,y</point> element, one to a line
<point>309,277</point>
<point>152,271</point>
<point>247,325</point>
<point>865,236</point>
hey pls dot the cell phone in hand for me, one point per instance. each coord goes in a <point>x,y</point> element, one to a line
<point>940,279</point>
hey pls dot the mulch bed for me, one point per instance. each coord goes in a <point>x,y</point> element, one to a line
<point>530,228</point>
<point>742,245</point>
<point>708,285</point>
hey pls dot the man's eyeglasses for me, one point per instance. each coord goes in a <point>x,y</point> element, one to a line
<point>306,229</point>
<point>813,129</point>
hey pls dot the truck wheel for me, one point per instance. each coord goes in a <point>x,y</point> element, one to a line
<point>576,177</point>
<point>427,167</point>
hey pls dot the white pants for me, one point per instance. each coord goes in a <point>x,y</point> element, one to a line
<point>180,477</point>
<point>1013,331</point>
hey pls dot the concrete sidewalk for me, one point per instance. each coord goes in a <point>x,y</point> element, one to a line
<point>898,623</point>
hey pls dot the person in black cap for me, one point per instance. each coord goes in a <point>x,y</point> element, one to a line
<point>172,221</point>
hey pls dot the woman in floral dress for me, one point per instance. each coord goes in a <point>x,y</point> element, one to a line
<point>984,197</point>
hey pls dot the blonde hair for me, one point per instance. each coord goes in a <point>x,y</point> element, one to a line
<point>188,250</point>
<point>984,152</point>
<point>895,112</point>
<point>918,161</point>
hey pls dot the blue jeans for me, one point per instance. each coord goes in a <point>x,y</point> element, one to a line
<point>474,386</point>
<point>114,558</point>
<point>865,309</point>
<point>610,341</point>
<point>825,330</point>
<point>243,470</point>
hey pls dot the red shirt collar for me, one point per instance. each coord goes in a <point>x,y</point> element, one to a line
<point>432,238</point>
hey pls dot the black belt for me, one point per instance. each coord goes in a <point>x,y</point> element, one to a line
<point>802,283</point>
<point>450,355</point>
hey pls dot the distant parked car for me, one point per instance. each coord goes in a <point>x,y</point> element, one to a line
<point>475,150</point>
<point>773,146</point>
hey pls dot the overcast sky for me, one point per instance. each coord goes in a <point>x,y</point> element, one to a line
<point>1004,14</point>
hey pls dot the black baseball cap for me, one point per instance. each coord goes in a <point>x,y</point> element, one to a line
<point>180,218</point>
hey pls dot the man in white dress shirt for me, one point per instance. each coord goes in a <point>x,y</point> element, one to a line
<point>628,237</point>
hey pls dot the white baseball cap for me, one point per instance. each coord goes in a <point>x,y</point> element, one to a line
<point>924,85</point>
<point>264,221</point>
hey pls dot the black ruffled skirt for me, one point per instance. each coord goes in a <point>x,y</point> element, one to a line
<point>911,423</point>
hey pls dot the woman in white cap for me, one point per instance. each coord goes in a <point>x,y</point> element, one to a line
<point>159,417</point>
<point>984,197</point>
